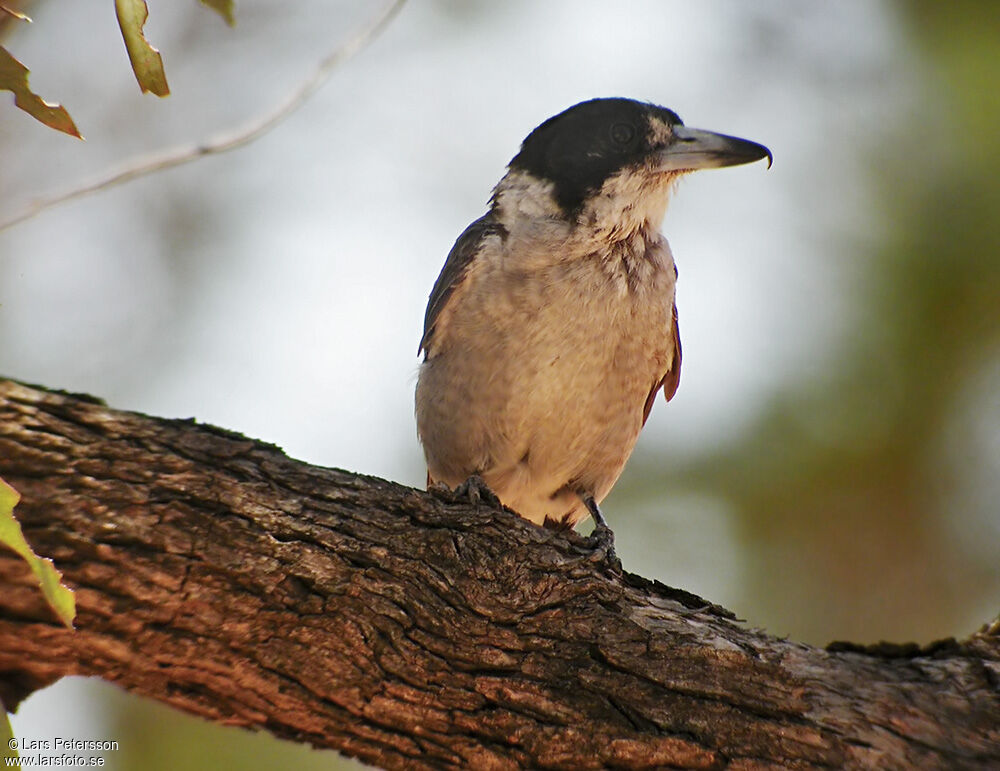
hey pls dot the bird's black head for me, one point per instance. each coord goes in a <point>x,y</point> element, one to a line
<point>580,148</point>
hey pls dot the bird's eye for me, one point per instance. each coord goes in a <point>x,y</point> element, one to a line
<point>622,133</point>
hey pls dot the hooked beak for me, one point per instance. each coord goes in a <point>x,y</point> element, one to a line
<point>693,149</point>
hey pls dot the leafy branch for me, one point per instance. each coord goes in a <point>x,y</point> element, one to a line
<point>220,143</point>
<point>146,63</point>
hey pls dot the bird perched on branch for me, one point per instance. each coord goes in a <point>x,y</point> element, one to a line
<point>552,325</point>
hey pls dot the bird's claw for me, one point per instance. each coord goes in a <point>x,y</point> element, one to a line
<point>476,491</point>
<point>602,541</point>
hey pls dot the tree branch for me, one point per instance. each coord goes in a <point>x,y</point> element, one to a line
<point>222,142</point>
<point>219,576</point>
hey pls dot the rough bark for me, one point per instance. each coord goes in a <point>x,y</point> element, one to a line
<point>217,575</point>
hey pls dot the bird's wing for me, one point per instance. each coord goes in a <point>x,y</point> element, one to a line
<point>455,267</point>
<point>672,378</point>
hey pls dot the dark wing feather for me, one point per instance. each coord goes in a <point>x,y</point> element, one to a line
<point>672,378</point>
<point>459,258</point>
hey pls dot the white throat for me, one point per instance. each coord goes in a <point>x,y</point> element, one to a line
<point>629,203</point>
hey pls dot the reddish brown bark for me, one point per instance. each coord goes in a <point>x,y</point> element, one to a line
<point>217,575</point>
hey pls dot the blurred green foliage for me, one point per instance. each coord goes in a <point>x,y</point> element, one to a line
<point>845,490</point>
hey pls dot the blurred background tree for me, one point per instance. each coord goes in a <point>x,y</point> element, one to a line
<point>830,466</point>
<point>867,495</point>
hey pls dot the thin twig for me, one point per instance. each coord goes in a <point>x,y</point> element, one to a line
<point>225,141</point>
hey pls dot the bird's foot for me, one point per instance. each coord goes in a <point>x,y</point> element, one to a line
<point>476,491</point>
<point>595,512</point>
<point>602,539</point>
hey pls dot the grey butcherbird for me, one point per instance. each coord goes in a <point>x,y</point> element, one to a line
<point>552,325</point>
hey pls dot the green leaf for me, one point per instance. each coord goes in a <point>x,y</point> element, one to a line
<point>222,7</point>
<point>146,62</point>
<point>14,78</point>
<point>59,597</point>
<point>6,734</point>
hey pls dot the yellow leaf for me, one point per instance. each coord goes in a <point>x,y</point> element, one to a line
<point>15,14</point>
<point>59,596</point>
<point>146,62</point>
<point>14,77</point>
<point>222,7</point>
